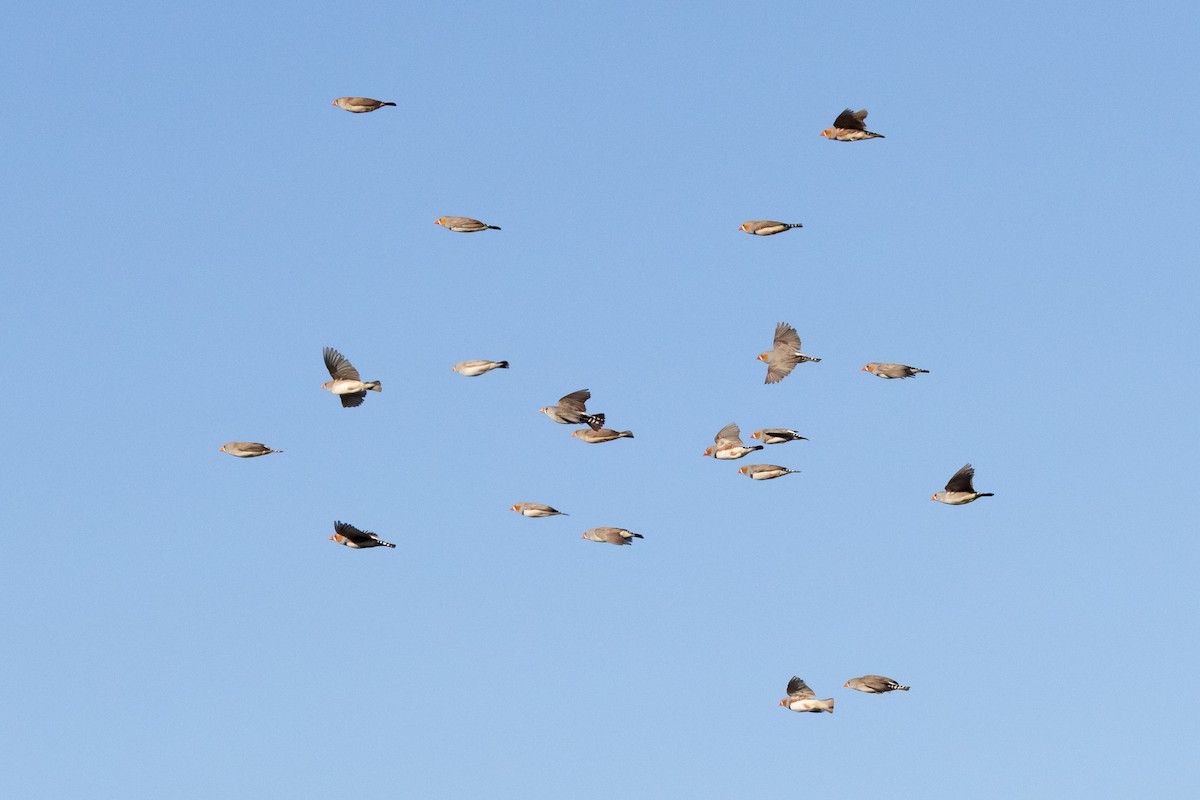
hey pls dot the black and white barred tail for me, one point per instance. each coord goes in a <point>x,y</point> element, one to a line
<point>594,421</point>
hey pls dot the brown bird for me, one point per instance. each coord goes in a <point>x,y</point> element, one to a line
<point>346,383</point>
<point>777,435</point>
<point>359,105</point>
<point>848,127</point>
<point>246,449</point>
<point>803,699</point>
<point>463,224</point>
<point>535,510</point>
<point>765,472</point>
<point>767,227</point>
<point>572,410</point>
<point>874,684</point>
<point>602,435</point>
<point>347,534</point>
<point>784,357</point>
<point>891,370</point>
<point>729,444</point>
<point>474,368</point>
<point>611,535</point>
<point>960,490</point>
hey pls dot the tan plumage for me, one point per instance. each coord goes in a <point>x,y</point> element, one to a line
<point>572,410</point>
<point>346,383</point>
<point>785,355</point>
<point>891,370</point>
<point>777,435</point>
<point>728,444</point>
<point>803,699</point>
<point>765,472</point>
<point>961,490</point>
<point>611,535</point>
<point>246,449</point>
<point>767,227</point>
<point>875,684</point>
<point>850,127</point>
<point>603,435</point>
<point>535,510</point>
<point>360,105</point>
<point>463,224</point>
<point>473,368</point>
<point>347,534</point>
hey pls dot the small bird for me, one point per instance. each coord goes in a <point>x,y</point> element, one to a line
<point>246,449</point>
<point>767,227</point>
<point>776,435</point>
<point>803,699</point>
<point>848,127</point>
<point>960,491</point>
<point>602,435</point>
<point>347,534</point>
<point>874,684</point>
<point>360,105</point>
<point>463,224</point>
<point>346,383</point>
<point>473,368</point>
<point>535,510</point>
<point>764,472</point>
<point>784,357</point>
<point>572,410</point>
<point>891,370</point>
<point>729,444</point>
<point>611,535</point>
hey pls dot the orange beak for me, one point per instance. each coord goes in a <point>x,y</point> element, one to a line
<point>933,497</point>
<point>513,508</point>
<point>865,369</point>
<point>824,134</point>
<point>333,538</point>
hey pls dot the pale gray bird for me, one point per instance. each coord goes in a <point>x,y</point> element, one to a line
<point>776,435</point>
<point>803,699</point>
<point>473,368</point>
<point>891,370</point>
<point>572,410</point>
<point>535,510</point>
<point>347,534</point>
<point>602,435</point>
<point>346,383</point>
<point>850,127</point>
<point>463,224</point>
<point>960,490</point>
<point>764,472</point>
<point>767,227</point>
<point>246,449</point>
<point>784,357</point>
<point>729,444</point>
<point>359,105</point>
<point>611,535</point>
<point>874,684</point>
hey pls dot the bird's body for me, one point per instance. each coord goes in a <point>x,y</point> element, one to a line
<point>767,227</point>
<point>961,490</point>
<point>463,224</point>
<point>875,684</point>
<point>535,510</point>
<point>473,368</point>
<point>360,105</point>
<point>803,699</point>
<point>765,472</point>
<point>347,534</point>
<point>728,444</point>
<point>891,370</point>
<point>592,436</point>
<point>785,355</point>
<point>850,127</point>
<point>347,383</point>
<point>611,535</point>
<point>777,435</point>
<point>572,410</point>
<point>246,449</point>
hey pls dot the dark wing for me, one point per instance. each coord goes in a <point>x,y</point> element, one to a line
<point>353,400</point>
<point>961,482</point>
<point>339,367</point>
<point>851,119</point>
<point>353,534</point>
<point>799,690</point>
<point>731,434</point>
<point>575,401</point>
<point>786,337</point>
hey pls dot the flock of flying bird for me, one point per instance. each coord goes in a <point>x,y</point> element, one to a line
<point>781,359</point>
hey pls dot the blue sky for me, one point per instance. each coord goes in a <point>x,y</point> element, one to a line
<point>190,222</point>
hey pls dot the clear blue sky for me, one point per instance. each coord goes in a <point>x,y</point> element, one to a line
<point>188,222</point>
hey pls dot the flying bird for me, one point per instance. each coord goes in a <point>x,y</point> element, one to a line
<point>891,370</point>
<point>767,227</point>
<point>874,684</point>
<point>764,472</point>
<point>803,699</point>
<point>611,535</point>
<point>592,436</point>
<point>346,383</point>
<point>360,105</point>
<point>463,224</point>
<point>729,444</point>
<point>473,368</point>
<point>848,127</point>
<point>347,534</point>
<point>535,510</point>
<point>572,410</point>
<point>784,357</point>
<point>960,491</point>
<point>246,449</point>
<point>776,435</point>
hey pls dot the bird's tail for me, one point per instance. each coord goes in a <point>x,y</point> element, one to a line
<point>829,705</point>
<point>986,494</point>
<point>387,104</point>
<point>269,450</point>
<point>636,535</point>
<point>491,227</point>
<point>922,370</point>
<point>804,358</point>
<point>594,421</point>
<point>873,135</point>
<point>796,225</point>
<point>757,447</point>
<point>791,472</point>
<point>502,365</point>
<point>374,386</point>
<point>625,435</point>
<point>382,543</point>
<point>901,688</point>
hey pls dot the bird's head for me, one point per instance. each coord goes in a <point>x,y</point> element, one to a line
<point>743,470</point>
<point>745,226</point>
<point>516,507</point>
<point>583,536</point>
<point>756,435</point>
<point>867,368</point>
<point>708,450</point>
<point>576,433</point>
<point>763,356</point>
<point>846,684</point>
<point>933,497</point>
<point>784,702</point>
<point>334,103</point>
<point>827,133</point>
<point>327,385</point>
<point>440,221</point>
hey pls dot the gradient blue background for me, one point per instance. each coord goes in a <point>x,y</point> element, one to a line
<point>188,223</point>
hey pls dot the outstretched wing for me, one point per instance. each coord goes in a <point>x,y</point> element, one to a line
<point>339,366</point>
<point>353,534</point>
<point>353,400</point>
<point>962,480</point>
<point>730,434</point>
<point>798,689</point>
<point>851,119</point>
<point>575,401</point>
<point>786,338</point>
